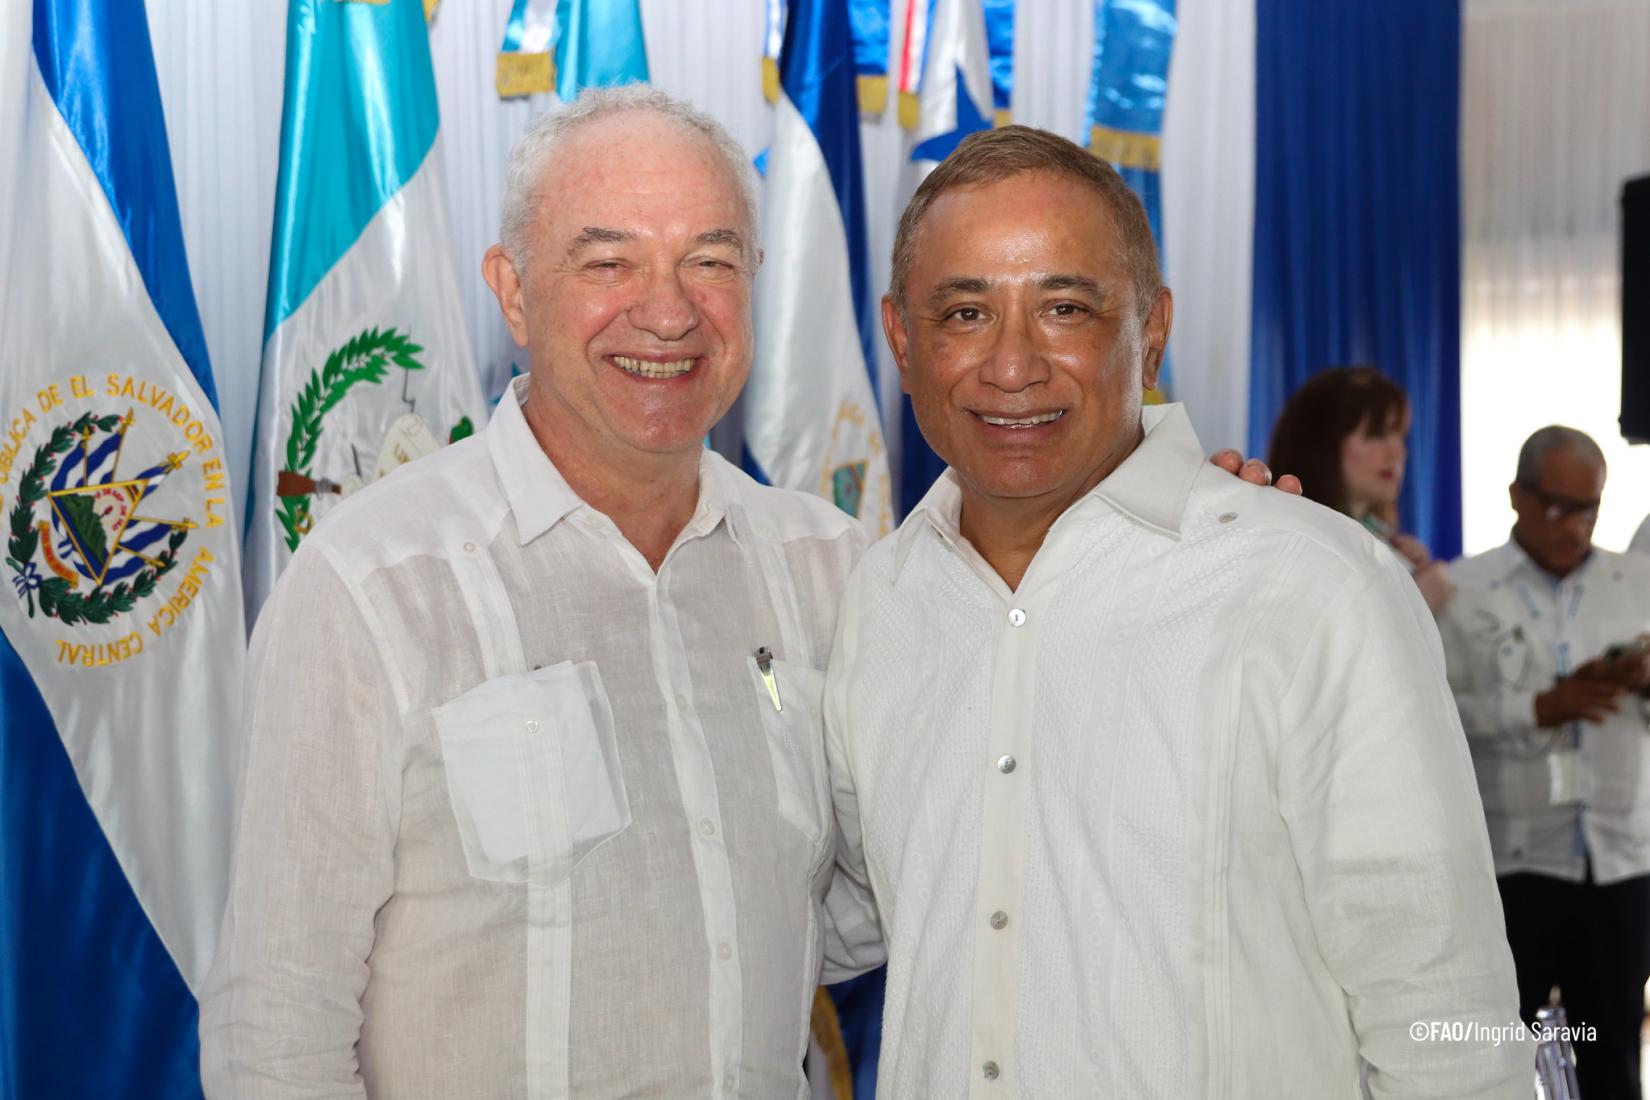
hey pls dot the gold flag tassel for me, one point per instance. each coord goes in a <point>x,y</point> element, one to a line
<point>828,1034</point>
<point>770,79</point>
<point>1127,148</point>
<point>910,110</point>
<point>873,95</point>
<point>522,74</point>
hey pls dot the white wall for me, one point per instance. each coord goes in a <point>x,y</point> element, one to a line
<point>1555,114</point>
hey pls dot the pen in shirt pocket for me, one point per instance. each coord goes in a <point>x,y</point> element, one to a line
<point>764,665</point>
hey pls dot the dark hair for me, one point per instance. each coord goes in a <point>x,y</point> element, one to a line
<point>990,156</point>
<point>1331,405</point>
<point>1552,438</point>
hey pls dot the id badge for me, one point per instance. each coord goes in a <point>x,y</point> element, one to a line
<point>1561,778</point>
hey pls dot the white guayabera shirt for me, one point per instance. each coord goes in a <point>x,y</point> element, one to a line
<point>520,817</point>
<point>1189,814</point>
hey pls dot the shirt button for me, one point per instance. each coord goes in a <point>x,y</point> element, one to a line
<point>999,920</point>
<point>728,1082</point>
<point>724,951</point>
<point>1005,763</point>
<point>990,1071</point>
<point>707,826</point>
<point>1017,617</point>
<point>532,725</point>
<point>469,548</point>
<point>681,701</point>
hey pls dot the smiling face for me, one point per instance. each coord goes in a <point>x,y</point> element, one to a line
<point>1021,343</point>
<point>635,309</point>
<point>1372,465</point>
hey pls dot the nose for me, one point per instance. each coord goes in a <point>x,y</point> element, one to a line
<point>1015,358</point>
<point>663,307</point>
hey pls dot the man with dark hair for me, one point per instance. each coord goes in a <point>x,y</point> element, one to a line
<point>1154,775</point>
<point>1549,658</point>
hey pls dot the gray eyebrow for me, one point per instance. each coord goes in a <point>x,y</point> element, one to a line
<point>729,237</point>
<point>595,234</point>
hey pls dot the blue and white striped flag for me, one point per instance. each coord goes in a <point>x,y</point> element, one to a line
<point>122,647</point>
<point>811,422</point>
<point>366,361</point>
<point>954,101</point>
<point>956,91</point>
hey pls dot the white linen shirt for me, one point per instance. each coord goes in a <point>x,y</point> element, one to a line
<point>1187,814</point>
<point>519,817</point>
<point>1551,796</point>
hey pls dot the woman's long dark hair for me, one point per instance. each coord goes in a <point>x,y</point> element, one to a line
<point>1331,405</point>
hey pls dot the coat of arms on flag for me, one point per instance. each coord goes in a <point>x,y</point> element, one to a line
<point>363,359</point>
<point>104,507</point>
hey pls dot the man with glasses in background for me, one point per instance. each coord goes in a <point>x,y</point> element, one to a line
<point>1548,646</point>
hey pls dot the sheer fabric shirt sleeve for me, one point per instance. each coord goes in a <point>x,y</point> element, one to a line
<point>313,848</point>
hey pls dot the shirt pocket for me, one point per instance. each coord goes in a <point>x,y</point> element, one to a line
<point>796,743</point>
<point>533,772</point>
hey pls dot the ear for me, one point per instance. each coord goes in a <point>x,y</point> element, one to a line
<point>500,273</point>
<point>1156,337</point>
<point>893,327</point>
<point>1512,495</point>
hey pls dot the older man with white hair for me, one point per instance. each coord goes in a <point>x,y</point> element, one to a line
<point>535,802</point>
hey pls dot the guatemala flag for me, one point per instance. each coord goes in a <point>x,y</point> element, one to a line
<point>121,654</point>
<point>810,420</point>
<point>366,360</point>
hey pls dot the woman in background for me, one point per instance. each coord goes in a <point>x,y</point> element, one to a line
<point>1342,434</point>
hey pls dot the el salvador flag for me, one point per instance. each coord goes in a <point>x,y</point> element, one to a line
<point>121,635</point>
<point>810,420</point>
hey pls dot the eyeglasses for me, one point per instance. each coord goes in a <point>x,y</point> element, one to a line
<point>1557,507</point>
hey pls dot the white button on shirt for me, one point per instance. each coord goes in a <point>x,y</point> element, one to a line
<point>1241,847</point>
<point>519,819</point>
<point>1552,796</point>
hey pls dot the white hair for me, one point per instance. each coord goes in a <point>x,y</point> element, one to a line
<point>530,159</point>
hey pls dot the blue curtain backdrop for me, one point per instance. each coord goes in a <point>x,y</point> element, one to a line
<point>1357,222</point>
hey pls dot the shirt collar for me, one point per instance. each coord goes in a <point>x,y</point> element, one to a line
<point>1515,561</point>
<point>1150,486</point>
<point>539,497</point>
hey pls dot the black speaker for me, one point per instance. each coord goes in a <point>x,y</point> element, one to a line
<point>1635,309</point>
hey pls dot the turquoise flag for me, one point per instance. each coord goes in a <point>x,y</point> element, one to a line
<point>598,44</point>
